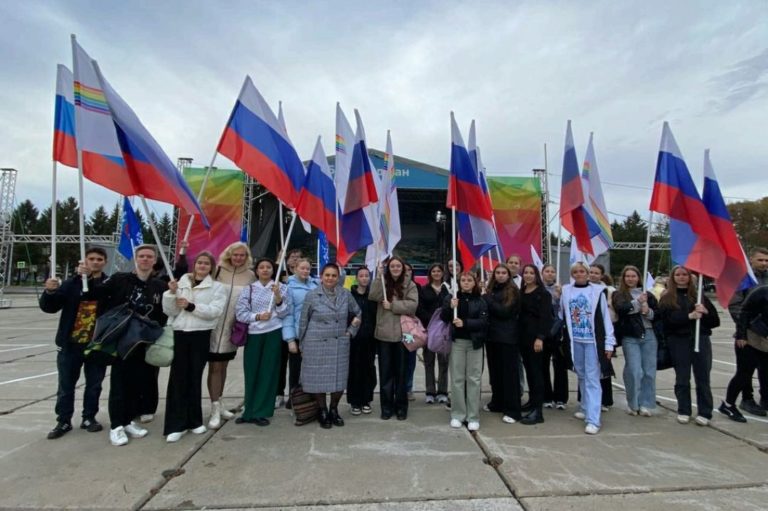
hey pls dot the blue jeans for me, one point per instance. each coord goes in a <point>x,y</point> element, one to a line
<point>640,370</point>
<point>587,368</point>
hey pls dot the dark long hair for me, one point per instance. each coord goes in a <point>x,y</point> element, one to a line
<point>395,287</point>
<point>429,272</point>
<point>623,290</point>
<point>509,288</point>
<point>669,298</point>
<point>538,280</point>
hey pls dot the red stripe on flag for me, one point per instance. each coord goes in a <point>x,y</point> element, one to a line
<point>64,149</point>
<point>107,173</point>
<point>312,209</point>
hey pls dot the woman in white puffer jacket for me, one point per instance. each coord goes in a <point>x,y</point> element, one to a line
<point>194,305</point>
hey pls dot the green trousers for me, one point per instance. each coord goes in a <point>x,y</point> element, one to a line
<point>261,364</point>
<point>466,368</point>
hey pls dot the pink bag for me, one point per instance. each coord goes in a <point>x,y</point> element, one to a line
<point>414,333</point>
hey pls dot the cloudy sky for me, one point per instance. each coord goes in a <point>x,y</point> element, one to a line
<point>521,69</point>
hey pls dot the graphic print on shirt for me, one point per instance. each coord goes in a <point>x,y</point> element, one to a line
<point>581,312</point>
<point>85,321</point>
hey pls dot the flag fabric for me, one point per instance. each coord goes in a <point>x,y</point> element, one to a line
<point>64,145</point>
<point>317,200</point>
<point>594,203</point>
<point>151,171</point>
<point>464,190</point>
<point>735,267</point>
<point>573,215</point>
<point>130,231</point>
<point>649,282</point>
<point>750,280</point>
<point>483,232</point>
<point>281,122</point>
<point>255,141</point>
<point>389,211</point>
<point>361,188</point>
<point>694,240</point>
<point>536,259</point>
<point>95,134</point>
<point>354,228</point>
<point>323,254</point>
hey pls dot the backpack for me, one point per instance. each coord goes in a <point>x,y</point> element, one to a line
<point>414,333</point>
<point>438,334</point>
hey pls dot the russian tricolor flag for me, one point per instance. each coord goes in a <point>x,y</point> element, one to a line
<point>695,242</point>
<point>735,269</point>
<point>464,190</point>
<point>573,216</point>
<point>317,200</point>
<point>361,188</point>
<point>483,232</point>
<point>64,148</point>
<point>255,141</point>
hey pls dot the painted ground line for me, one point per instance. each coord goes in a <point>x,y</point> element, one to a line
<point>28,378</point>
<point>31,346</point>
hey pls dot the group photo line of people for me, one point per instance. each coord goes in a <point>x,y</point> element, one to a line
<point>306,340</point>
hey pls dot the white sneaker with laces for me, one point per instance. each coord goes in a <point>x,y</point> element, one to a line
<point>442,399</point>
<point>455,423</point>
<point>683,419</point>
<point>591,429</point>
<point>117,436</point>
<point>215,421</point>
<point>174,437</point>
<point>549,404</point>
<point>199,430</point>
<point>560,405</point>
<point>701,421</point>
<point>645,412</point>
<point>135,431</point>
<point>631,412</point>
<point>579,415</point>
<point>473,426</point>
<point>225,414</point>
<point>429,399</point>
<point>146,418</point>
<point>508,420</point>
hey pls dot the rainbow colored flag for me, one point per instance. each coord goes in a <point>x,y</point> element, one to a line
<point>517,209</point>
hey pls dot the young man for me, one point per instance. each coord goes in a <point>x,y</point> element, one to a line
<point>132,379</point>
<point>76,323</point>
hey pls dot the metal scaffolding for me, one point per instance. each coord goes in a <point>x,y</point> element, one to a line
<point>7,198</point>
<point>545,241</point>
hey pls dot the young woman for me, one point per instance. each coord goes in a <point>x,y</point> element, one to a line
<point>584,308</point>
<point>194,303</point>
<point>555,392</point>
<point>636,310</point>
<point>362,349</point>
<point>324,332</point>
<point>262,305</point>
<point>431,298</point>
<point>235,274</point>
<point>401,297</point>
<point>535,324</point>
<point>514,262</point>
<point>597,275</point>
<point>468,333</point>
<point>502,345</point>
<point>678,313</point>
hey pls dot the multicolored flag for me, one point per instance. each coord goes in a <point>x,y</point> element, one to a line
<point>317,200</point>
<point>736,268</point>
<point>130,231</point>
<point>388,212</point>
<point>695,242</point>
<point>64,145</point>
<point>255,141</point>
<point>573,215</point>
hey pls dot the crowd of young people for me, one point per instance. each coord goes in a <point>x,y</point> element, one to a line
<point>529,329</point>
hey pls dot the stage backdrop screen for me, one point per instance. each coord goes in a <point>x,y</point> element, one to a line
<point>517,207</point>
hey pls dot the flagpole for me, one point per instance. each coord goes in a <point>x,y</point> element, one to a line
<point>155,234</point>
<point>318,252</point>
<point>647,255</point>
<point>698,321</point>
<point>119,228</point>
<point>546,206</point>
<point>280,223</point>
<point>53,225</point>
<point>559,249</point>
<point>454,279</point>
<point>377,256</point>
<point>81,215</point>
<point>183,249</point>
<point>282,259</point>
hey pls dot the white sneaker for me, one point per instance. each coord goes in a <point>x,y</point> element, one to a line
<point>199,430</point>
<point>507,419</point>
<point>591,429</point>
<point>146,418</point>
<point>631,412</point>
<point>579,415</point>
<point>549,404</point>
<point>701,421</point>
<point>135,431</point>
<point>645,412</point>
<point>429,399</point>
<point>473,426</point>
<point>486,408</point>
<point>117,436</point>
<point>605,408</point>
<point>215,421</point>
<point>224,413</point>
<point>455,423</point>
<point>442,399</point>
<point>174,437</point>
<point>279,401</point>
<point>560,405</point>
<point>683,419</point>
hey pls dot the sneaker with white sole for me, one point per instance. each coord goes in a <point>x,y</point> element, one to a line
<point>174,437</point>
<point>579,415</point>
<point>117,436</point>
<point>279,401</point>
<point>701,421</point>
<point>135,431</point>
<point>473,426</point>
<point>199,430</point>
<point>355,411</point>
<point>605,408</point>
<point>560,405</point>
<point>549,404</point>
<point>591,429</point>
<point>455,423</point>
<point>683,419</point>
<point>146,418</point>
<point>367,409</point>
<point>508,420</point>
<point>631,412</point>
<point>645,412</point>
<point>442,399</point>
<point>429,399</point>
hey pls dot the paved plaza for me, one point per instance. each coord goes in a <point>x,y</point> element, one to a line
<point>370,464</point>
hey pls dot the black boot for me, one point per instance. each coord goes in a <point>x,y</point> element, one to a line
<point>324,419</point>
<point>527,407</point>
<point>334,418</point>
<point>535,417</point>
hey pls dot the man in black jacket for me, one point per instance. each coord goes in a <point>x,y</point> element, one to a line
<point>76,323</point>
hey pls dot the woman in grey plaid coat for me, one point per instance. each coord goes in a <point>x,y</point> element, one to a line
<point>329,318</point>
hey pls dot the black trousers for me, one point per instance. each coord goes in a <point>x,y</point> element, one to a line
<point>747,360</point>
<point>683,359</point>
<point>70,360</point>
<point>503,363</point>
<point>534,372</point>
<point>393,376</point>
<point>557,391</point>
<point>441,385</point>
<point>183,399</point>
<point>291,361</point>
<point>362,372</point>
<point>131,382</point>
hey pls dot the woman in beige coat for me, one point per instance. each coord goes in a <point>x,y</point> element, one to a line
<point>235,273</point>
<point>402,297</point>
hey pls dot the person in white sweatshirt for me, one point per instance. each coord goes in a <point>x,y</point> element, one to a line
<point>584,307</point>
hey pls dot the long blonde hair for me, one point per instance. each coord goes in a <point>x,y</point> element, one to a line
<point>226,255</point>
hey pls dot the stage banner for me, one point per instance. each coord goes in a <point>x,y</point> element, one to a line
<point>222,203</point>
<point>517,209</point>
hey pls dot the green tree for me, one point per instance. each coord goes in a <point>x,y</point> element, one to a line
<point>750,218</point>
<point>165,228</point>
<point>99,224</point>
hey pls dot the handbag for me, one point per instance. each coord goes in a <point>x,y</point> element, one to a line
<point>109,328</point>
<point>239,334</point>
<point>759,326</point>
<point>414,333</point>
<point>305,408</point>
<point>160,354</point>
<point>439,334</point>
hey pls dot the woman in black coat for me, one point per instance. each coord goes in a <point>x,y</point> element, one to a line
<point>502,348</point>
<point>535,323</point>
<point>362,349</point>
